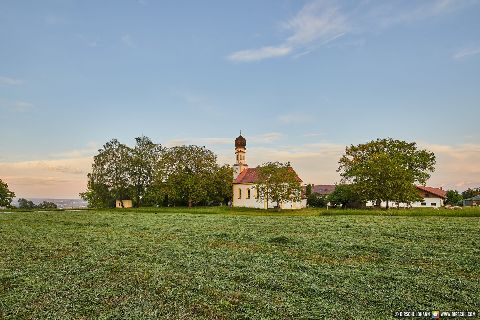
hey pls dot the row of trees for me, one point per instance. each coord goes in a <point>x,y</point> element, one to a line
<point>151,174</point>
<point>28,204</point>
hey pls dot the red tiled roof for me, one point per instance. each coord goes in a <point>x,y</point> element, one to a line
<point>323,189</point>
<point>435,191</point>
<point>250,175</point>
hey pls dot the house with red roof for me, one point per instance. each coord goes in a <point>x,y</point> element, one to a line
<point>432,198</point>
<point>244,183</point>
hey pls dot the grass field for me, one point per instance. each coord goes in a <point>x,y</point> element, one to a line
<point>212,263</point>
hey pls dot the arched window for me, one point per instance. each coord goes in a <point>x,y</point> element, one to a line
<point>248,193</point>
<point>239,193</point>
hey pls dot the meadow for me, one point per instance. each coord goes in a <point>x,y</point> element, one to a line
<point>223,263</point>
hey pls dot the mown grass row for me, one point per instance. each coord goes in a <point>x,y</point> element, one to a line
<point>458,212</point>
<point>236,264</point>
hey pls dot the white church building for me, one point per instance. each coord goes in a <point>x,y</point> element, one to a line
<point>244,181</point>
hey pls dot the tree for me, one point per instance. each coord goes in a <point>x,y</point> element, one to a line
<point>190,175</point>
<point>346,196</point>
<point>221,191</point>
<point>110,176</point>
<point>46,205</point>
<point>470,193</point>
<point>453,197</point>
<point>144,157</point>
<point>6,196</point>
<point>386,170</point>
<point>25,204</point>
<point>316,200</point>
<point>278,182</point>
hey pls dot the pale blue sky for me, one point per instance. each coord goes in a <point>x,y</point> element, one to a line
<point>302,79</point>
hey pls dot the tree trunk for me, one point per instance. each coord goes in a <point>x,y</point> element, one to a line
<point>189,203</point>
<point>387,205</point>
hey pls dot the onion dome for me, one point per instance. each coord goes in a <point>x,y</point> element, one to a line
<point>240,142</point>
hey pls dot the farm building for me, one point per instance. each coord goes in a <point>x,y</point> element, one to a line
<point>123,204</point>
<point>244,179</point>
<point>432,198</point>
<point>471,202</point>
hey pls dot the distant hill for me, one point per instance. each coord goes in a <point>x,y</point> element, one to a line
<point>61,203</point>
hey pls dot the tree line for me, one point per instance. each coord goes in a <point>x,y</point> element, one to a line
<point>152,175</point>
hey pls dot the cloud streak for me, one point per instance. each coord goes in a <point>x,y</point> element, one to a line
<point>320,22</point>
<point>7,81</point>
<point>466,53</point>
<point>315,22</point>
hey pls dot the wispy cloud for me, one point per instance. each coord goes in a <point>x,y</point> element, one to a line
<point>10,81</point>
<point>466,53</point>
<point>315,22</point>
<point>127,40</point>
<point>392,13</point>
<point>61,178</point>
<point>22,106</point>
<point>261,53</point>
<point>320,22</point>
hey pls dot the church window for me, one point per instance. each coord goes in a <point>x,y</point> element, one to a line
<point>248,193</point>
<point>239,193</point>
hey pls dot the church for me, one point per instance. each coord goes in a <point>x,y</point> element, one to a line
<point>244,179</point>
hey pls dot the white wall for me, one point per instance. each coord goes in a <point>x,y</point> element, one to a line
<point>253,202</point>
<point>438,202</point>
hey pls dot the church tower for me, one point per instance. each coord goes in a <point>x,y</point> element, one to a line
<point>240,151</point>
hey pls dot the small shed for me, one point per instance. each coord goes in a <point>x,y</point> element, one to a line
<point>123,204</point>
<point>472,202</point>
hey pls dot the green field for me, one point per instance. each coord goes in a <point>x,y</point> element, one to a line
<point>224,263</point>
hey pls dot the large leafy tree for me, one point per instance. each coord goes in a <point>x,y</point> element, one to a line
<point>110,176</point>
<point>142,164</point>
<point>277,182</point>
<point>386,170</point>
<point>190,175</point>
<point>6,196</point>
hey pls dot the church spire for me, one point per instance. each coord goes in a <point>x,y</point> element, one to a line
<point>240,151</point>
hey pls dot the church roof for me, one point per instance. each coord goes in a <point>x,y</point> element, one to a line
<point>250,175</point>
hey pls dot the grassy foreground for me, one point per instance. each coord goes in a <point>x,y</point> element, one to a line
<point>215,264</point>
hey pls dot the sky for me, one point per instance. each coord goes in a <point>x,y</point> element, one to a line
<point>301,79</point>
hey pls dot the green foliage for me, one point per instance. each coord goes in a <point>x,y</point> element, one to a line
<point>470,193</point>
<point>346,196</point>
<point>46,205</point>
<point>277,182</point>
<point>152,175</point>
<point>190,175</point>
<point>386,170</point>
<point>25,204</point>
<point>316,200</point>
<point>143,160</point>
<point>235,264</point>
<point>6,196</point>
<point>308,190</point>
<point>453,197</point>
